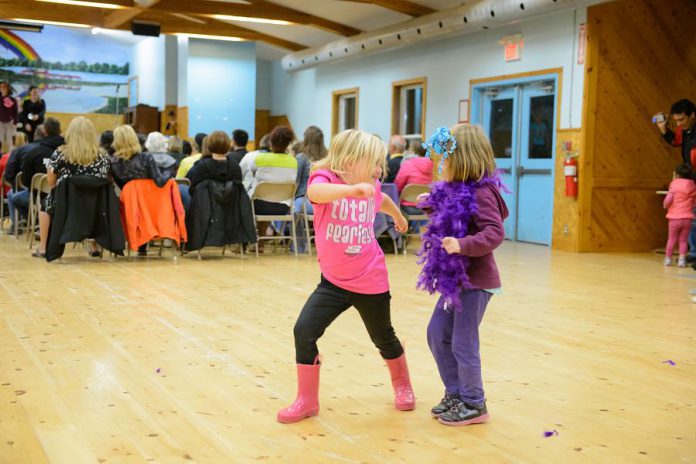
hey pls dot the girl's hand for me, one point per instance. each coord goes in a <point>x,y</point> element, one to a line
<point>451,245</point>
<point>422,197</point>
<point>401,223</point>
<point>363,190</point>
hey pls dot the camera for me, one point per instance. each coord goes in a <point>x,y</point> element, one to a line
<point>659,117</point>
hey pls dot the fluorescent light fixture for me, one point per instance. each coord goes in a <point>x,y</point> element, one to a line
<point>251,20</point>
<point>110,6</point>
<point>50,23</point>
<point>20,26</point>
<point>210,37</point>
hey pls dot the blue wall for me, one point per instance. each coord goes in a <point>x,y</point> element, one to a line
<point>449,65</point>
<point>221,88</point>
<point>148,64</point>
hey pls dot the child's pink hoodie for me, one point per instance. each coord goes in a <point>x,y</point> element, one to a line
<point>681,199</point>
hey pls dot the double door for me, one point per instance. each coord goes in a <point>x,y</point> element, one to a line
<point>520,120</point>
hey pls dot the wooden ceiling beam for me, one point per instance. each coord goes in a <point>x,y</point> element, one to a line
<point>119,17</point>
<point>400,6</point>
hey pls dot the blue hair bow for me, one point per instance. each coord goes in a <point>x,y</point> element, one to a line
<point>441,142</point>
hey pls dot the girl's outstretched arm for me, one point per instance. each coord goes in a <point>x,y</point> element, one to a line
<point>325,192</point>
<point>389,207</point>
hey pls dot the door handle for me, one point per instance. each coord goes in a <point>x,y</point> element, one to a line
<point>521,171</point>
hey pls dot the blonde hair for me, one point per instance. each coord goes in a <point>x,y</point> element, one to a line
<point>126,144</point>
<point>356,153</point>
<point>81,142</point>
<point>175,145</point>
<point>20,139</point>
<point>473,158</point>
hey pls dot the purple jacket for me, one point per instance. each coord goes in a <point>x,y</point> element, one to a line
<point>486,233</point>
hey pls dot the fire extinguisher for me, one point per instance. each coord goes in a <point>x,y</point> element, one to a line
<point>570,170</point>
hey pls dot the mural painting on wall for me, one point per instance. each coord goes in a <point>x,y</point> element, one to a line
<point>74,71</point>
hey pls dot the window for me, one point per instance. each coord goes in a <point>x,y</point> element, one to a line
<point>408,108</point>
<point>345,110</point>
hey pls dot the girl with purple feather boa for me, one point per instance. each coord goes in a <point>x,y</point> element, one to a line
<point>466,224</point>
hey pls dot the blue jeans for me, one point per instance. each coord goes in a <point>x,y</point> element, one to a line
<point>185,196</point>
<point>299,223</point>
<point>692,239</point>
<point>20,201</point>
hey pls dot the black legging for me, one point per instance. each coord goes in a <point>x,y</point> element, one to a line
<point>326,303</point>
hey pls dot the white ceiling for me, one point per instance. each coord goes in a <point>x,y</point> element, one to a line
<point>365,17</point>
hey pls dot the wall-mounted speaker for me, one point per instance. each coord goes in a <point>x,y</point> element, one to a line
<point>148,29</point>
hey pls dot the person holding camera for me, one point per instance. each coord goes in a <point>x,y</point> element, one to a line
<point>683,114</point>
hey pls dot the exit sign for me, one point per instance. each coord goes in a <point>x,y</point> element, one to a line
<point>512,51</point>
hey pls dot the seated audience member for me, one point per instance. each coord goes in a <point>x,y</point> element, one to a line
<point>142,138</point>
<point>240,139</point>
<point>274,166</point>
<point>418,170</point>
<point>105,142</point>
<point>156,145</point>
<point>80,155</point>
<point>129,163</point>
<point>310,151</point>
<point>13,167</point>
<point>397,145</point>
<point>216,165</point>
<point>34,161</point>
<point>415,148</point>
<point>187,162</point>
<point>249,159</point>
<point>175,148</point>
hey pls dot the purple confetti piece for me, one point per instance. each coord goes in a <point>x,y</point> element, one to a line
<point>550,433</point>
<point>158,370</point>
<point>670,362</point>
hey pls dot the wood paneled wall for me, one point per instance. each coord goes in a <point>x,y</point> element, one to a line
<point>102,122</point>
<point>641,59</point>
<point>564,233</point>
<point>265,123</point>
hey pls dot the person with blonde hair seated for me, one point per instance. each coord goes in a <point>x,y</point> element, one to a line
<point>79,156</point>
<point>130,163</point>
<point>157,145</point>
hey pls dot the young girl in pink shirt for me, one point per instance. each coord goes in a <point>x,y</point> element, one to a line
<point>680,202</point>
<point>346,194</point>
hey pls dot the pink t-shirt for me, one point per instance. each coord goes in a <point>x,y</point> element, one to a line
<point>349,255</point>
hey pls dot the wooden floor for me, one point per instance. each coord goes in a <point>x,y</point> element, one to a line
<point>161,361</point>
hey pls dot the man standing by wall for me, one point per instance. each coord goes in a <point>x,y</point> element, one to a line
<point>683,114</point>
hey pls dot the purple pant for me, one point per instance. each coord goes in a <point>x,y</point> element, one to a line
<point>454,341</point>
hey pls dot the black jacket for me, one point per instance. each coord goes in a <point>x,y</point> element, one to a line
<point>140,166</point>
<point>238,154</point>
<point>35,108</point>
<point>84,207</point>
<point>33,161</point>
<point>14,164</point>
<point>220,214</point>
<point>209,168</point>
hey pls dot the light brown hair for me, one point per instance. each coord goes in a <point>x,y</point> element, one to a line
<point>473,158</point>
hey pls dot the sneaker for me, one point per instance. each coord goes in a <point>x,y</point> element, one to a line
<point>464,414</point>
<point>445,404</point>
<point>690,259</point>
<point>681,262</point>
<point>667,261</point>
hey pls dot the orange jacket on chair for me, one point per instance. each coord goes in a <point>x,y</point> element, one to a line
<point>149,212</point>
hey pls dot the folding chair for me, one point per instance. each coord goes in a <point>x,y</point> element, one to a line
<point>182,181</point>
<point>39,185</point>
<point>276,192</point>
<point>307,218</point>
<point>410,194</point>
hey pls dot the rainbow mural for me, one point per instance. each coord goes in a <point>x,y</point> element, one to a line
<point>17,45</point>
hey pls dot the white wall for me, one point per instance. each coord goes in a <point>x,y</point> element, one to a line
<point>449,65</point>
<point>263,85</point>
<point>148,64</point>
<point>221,86</point>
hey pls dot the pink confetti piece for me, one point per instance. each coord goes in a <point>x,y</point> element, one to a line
<point>550,433</point>
<point>670,362</point>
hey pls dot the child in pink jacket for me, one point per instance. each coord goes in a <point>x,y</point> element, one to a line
<point>680,202</point>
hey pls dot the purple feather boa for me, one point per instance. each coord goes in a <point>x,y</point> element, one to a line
<point>453,207</point>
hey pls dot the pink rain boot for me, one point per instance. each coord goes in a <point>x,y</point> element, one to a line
<point>403,393</point>
<point>307,402</point>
